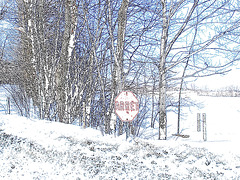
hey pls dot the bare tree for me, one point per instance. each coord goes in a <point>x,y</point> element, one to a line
<point>62,74</point>
<point>118,52</point>
<point>173,54</point>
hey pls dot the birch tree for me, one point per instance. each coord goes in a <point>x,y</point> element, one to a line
<point>164,51</point>
<point>40,32</point>
<point>62,74</point>
<point>173,54</point>
<point>27,61</point>
<point>162,72</point>
<point>118,53</point>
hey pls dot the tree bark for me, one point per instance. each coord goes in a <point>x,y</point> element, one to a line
<point>122,22</point>
<point>162,75</point>
<point>63,67</point>
<point>117,74</point>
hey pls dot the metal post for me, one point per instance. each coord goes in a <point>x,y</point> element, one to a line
<point>127,130</point>
<point>204,126</point>
<point>198,122</point>
<point>131,128</point>
<point>84,115</point>
<point>8,105</point>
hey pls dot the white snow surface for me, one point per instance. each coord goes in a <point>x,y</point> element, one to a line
<point>39,149</point>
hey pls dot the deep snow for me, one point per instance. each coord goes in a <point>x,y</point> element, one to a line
<point>39,149</point>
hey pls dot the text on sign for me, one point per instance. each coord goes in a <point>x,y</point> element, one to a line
<point>126,106</point>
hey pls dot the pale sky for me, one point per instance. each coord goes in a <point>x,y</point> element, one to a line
<point>221,81</point>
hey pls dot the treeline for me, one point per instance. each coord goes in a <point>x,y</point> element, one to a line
<point>75,56</point>
<point>229,91</point>
<point>8,73</point>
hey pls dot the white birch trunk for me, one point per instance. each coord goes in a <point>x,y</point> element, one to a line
<point>62,76</point>
<point>117,77</point>
<point>71,46</point>
<point>162,74</point>
<point>88,100</point>
<point>32,62</point>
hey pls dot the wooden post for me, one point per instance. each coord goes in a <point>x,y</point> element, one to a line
<point>8,105</point>
<point>204,126</point>
<point>198,122</point>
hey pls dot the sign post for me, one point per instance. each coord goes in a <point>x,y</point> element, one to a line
<point>204,126</point>
<point>198,122</point>
<point>126,108</point>
<point>8,106</point>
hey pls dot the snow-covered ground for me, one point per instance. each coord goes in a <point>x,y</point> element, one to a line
<point>38,149</point>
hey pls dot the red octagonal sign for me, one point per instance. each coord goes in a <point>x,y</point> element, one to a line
<point>126,106</point>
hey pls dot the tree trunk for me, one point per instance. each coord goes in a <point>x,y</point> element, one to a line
<point>117,74</point>
<point>180,97</point>
<point>62,74</point>
<point>122,22</point>
<point>153,104</point>
<point>162,74</point>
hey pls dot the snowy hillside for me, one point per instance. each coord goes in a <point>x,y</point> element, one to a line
<point>33,149</point>
<point>38,149</point>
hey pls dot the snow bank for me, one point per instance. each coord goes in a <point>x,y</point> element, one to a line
<point>37,149</point>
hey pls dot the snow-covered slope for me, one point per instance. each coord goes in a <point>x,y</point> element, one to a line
<point>36,149</point>
<point>223,122</point>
